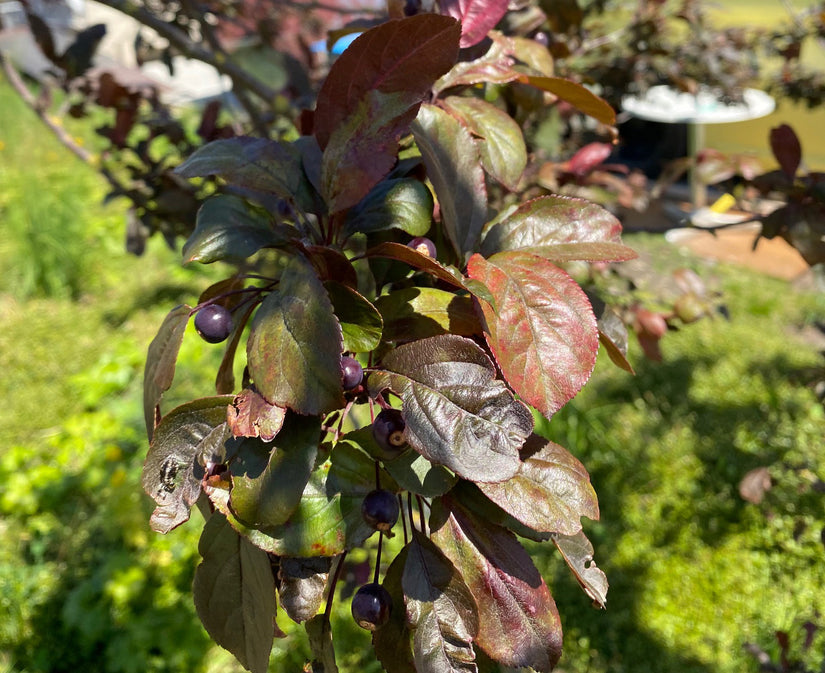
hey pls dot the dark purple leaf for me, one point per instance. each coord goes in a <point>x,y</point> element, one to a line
<point>787,149</point>
<point>550,492</point>
<point>301,585</point>
<point>501,143</point>
<point>160,362</point>
<point>478,17</point>
<point>294,347</point>
<point>404,56</point>
<point>186,438</point>
<point>250,415</point>
<point>558,221</point>
<point>229,229</point>
<point>268,480</point>
<point>392,641</point>
<point>440,608</point>
<point>235,594</point>
<point>578,554</point>
<point>518,622</point>
<point>457,413</point>
<point>453,167</point>
<point>543,333</point>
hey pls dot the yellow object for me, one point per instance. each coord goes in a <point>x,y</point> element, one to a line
<point>723,204</point>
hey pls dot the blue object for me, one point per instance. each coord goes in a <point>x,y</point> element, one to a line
<point>338,48</point>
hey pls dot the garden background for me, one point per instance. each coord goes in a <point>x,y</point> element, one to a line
<point>696,572</point>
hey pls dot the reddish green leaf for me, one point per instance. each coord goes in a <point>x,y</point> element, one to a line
<point>229,229</point>
<point>404,56</point>
<point>332,264</point>
<point>294,347</point>
<point>457,413</point>
<point>360,321</point>
<point>550,492</point>
<point>544,334</point>
<point>257,164</point>
<point>555,220</point>
<point>268,480</point>
<point>613,336</point>
<point>186,438</point>
<point>494,67</point>
<point>503,152</point>
<point>416,474</point>
<point>235,594</point>
<point>250,415</point>
<point>419,312</point>
<point>454,169</point>
<point>511,596</point>
<point>578,554</point>
<point>440,608</point>
<point>417,260</point>
<point>587,252</point>
<point>578,96</point>
<point>787,149</point>
<point>401,203</point>
<point>478,17</point>
<point>160,362</point>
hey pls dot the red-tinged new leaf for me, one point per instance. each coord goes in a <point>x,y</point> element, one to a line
<point>478,17</point>
<point>250,415</point>
<point>518,621</point>
<point>588,157</point>
<point>235,594</point>
<point>503,152</point>
<point>555,220</point>
<point>550,492</point>
<point>578,554</point>
<point>403,56</point>
<point>577,95</point>
<point>453,166</point>
<point>160,362</point>
<point>787,149</point>
<point>544,334</point>
<point>294,347</point>
<point>494,67</point>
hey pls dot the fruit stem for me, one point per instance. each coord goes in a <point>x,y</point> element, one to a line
<point>335,578</point>
<point>378,556</point>
<point>421,514</point>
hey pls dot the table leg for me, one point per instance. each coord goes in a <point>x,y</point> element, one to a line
<point>696,140</point>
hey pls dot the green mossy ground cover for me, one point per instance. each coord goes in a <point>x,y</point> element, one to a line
<point>695,571</point>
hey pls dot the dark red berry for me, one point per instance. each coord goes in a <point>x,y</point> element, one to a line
<point>214,323</point>
<point>423,245</point>
<point>352,372</point>
<point>388,430</point>
<point>380,509</point>
<point>371,606</point>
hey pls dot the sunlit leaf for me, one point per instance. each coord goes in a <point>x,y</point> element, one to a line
<point>457,414</point>
<point>268,479</point>
<point>578,554</point>
<point>613,336</point>
<point>419,312</point>
<point>401,203</point>
<point>183,441</point>
<point>550,492</point>
<point>478,17</point>
<point>518,622</point>
<point>160,362</point>
<point>543,334</point>
<point>235,594</point>
<point>501,143</point>
<point>577,95</point>
<point>494,67</point>
<point>229,229</point>
<point>440,608</point>
<point>453,167</point>
<point>361,323</point>
<point>555,220</point>
<point>295,343</point>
